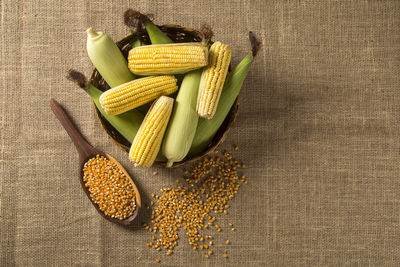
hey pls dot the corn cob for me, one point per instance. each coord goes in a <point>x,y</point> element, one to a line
<point>182,126</point>
<point>167,58</point>
<point>136,93</point>
<point>212,80</point>
<point>206,129</point>
<point>107,59</point>
<point>147,141</point>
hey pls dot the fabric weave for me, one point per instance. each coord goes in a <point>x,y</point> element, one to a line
<point>317,126</point>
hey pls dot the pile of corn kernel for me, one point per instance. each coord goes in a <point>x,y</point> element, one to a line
<point>212,182</point>
<point>109,187</point>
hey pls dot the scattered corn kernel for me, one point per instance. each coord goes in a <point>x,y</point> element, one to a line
<point>236,148</point>
<point>212,184</point>
<point>109,187</point>
<point>157,260</point>
<point>227,242</point>
<point>206,256</point>
<point>224,255</point>
<point>155,172</point>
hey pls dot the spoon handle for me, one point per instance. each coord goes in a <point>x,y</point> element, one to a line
<point>84,148</point>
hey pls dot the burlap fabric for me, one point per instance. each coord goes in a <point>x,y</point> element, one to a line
<point>318,127</point>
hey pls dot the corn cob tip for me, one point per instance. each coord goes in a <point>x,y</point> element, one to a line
<point>255,43</point>
<point>101,100</point>
<point>77,77</point>
<point>91,33</point>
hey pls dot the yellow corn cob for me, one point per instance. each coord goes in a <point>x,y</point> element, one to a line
<point>147,141</point>
<point>212,80</point>
<point>167,58</point>
<point>136,93</point>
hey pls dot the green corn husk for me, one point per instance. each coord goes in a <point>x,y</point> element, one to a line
<point>206,129</point>
<point>155,34</point>
<point>183,122</point>
<point>108,59</point>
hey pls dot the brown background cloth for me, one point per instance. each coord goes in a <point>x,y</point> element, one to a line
<point>318,127</point>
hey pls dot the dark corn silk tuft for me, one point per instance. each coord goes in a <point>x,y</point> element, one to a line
<point>77,77</point>
<point>135,20</point>
<point>255,43</point>
<point>207,33</point>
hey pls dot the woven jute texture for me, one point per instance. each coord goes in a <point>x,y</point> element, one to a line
<point>318,127</point>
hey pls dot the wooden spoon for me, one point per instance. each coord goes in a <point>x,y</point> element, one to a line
<point>87,151</point>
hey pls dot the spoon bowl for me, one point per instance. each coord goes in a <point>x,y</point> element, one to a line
<point>87,151</point>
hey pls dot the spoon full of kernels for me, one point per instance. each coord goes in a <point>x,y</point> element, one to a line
<point>104,180</point>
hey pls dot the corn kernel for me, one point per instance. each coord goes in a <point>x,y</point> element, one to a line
<point>216,182</point>
<point>109,187</point>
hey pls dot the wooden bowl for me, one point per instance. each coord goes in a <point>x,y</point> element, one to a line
<point>178,34</point>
